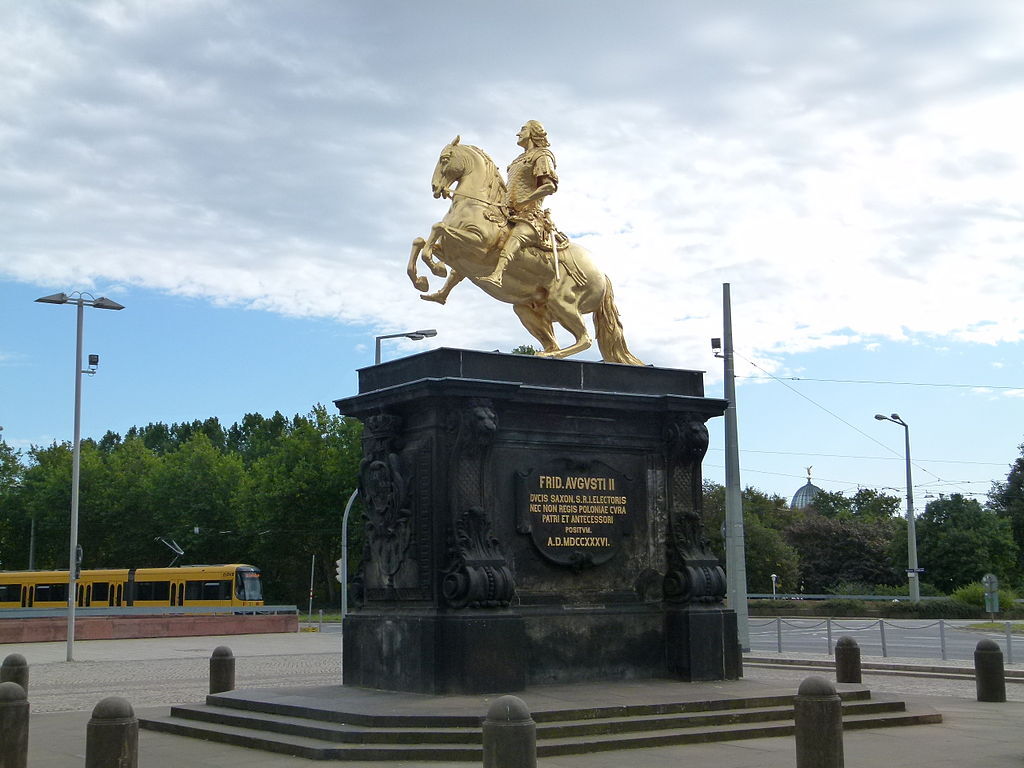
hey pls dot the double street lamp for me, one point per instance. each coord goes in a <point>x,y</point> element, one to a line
<point>80,300</point>
<point>414,335</point>
<point>912,569</point>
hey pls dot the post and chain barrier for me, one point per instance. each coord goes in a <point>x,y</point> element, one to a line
<point>830,624</point>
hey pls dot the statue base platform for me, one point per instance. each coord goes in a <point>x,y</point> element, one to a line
<point>533,521</point>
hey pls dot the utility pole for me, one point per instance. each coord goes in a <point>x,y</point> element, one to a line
<point>735,556</point>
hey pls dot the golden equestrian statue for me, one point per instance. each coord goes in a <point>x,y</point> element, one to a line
<point>498,236</point>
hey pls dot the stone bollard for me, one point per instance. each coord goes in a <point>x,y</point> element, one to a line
<point>13,726</point>
<point>847,660</point>
<point>112,735</point>
<point>510,735</point>
<point>988,671</point>
<point>818,712</point>
<point>15,670</point>
<point>222,670</point>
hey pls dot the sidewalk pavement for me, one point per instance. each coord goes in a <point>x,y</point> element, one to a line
<point>155,673</point>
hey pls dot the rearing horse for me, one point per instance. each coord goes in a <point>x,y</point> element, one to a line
<point>542,292</point>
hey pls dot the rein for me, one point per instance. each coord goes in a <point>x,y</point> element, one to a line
<point>454,192</point>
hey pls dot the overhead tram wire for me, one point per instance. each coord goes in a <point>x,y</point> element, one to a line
<point>835,415</point>
<point>925,487</point>
<point>871,458</point>
<point>887,383</point>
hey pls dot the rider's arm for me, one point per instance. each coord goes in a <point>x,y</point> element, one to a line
<point>544,188</point>
<point>544,173</point>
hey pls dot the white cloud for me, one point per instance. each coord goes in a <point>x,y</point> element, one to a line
<point>852,170</point>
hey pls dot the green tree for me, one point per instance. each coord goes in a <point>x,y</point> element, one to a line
<point>765,549</point>
<point>117,528</point>
<point>291,503</point>
<point>11,516</point>
<point>256,436</point>
<point>1006,499</point>
<point>959,541</point>
<point>46,498</point>
<point>525,349</point>
<point>865,504</point>
<point>192,502</point>
<point>835,550</point>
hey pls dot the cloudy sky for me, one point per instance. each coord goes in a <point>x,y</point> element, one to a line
<point>247,178</point>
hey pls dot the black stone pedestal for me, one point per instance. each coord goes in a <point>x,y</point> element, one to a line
<point>437,654</point>
<point>533,521</point>
<point>701,644</point>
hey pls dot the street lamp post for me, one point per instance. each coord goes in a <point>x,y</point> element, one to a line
<point>414,335</point>
<point>80,300</point>
<point>912,569</point>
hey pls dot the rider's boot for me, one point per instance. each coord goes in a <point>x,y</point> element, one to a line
<point>495,277</point>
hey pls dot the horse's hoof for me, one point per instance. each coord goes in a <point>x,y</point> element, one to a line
<point>434,297</point>
<point>421,284</point>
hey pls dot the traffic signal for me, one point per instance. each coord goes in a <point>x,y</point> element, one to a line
<point>340,575</point>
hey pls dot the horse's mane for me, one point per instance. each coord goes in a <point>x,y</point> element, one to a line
<point>495,183</point>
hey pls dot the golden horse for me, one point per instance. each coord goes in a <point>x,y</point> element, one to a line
<point>541,291</point>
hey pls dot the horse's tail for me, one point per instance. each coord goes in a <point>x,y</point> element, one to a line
<point>608,327</point>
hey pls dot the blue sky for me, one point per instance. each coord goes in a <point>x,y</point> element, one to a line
<point>247,178</point>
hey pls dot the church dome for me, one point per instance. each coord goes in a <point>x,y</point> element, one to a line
<point>805,496</point>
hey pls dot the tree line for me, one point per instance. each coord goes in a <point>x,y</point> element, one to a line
<point>270,491</point>
<point>264,491</point>
<point>858,544</point>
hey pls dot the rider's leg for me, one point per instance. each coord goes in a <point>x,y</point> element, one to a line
<point>517,238</point>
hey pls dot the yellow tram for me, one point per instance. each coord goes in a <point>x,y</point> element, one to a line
<point>233,585</point>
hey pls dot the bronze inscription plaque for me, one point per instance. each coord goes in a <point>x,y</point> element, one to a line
<point>576,517</point>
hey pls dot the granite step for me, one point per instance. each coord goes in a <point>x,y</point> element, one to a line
<point>621,725</point>
<point>310,748</point>
<point>348,733</point>
<point>616,728</point>
<point>728,732</point>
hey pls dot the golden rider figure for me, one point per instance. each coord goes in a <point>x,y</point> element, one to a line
<point>531,178</point>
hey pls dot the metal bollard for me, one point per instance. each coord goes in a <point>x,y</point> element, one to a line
<point>13,726</point>
<point>988,671</point>
<point>112,735</point>
<point>222,670</point>
<point>15,670</point>
<point>818,712</point>
<point>847,660</point>
<point>510,735</point>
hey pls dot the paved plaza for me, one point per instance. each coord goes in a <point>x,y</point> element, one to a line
<point>156,673</point>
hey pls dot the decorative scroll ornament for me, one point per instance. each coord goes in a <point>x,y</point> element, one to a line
<point>694,573</point>
<point>385,492</point>
<point>478,575</point>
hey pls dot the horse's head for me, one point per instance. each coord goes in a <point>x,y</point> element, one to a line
<point>449,169</point>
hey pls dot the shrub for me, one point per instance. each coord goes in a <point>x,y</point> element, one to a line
<point>931,609</point>
<point>844,607</point>
<point>974,594</point>
<point>863,588</point>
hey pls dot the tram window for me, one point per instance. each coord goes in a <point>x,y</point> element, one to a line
<point>51,593</point>
<point>247,585</point>
<point>100,590</point>
<point>152,590</point>
<point>10,593</point>
<point>207,590</point>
